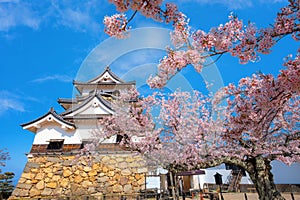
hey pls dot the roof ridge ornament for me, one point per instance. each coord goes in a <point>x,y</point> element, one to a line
<point>51,110</point>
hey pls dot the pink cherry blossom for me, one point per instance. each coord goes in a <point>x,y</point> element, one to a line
<point>116,25</point>
<point>241,40</point>
<point>259,123</point>
<point>265,112</point>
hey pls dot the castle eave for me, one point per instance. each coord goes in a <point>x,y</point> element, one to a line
<point>49,117</point>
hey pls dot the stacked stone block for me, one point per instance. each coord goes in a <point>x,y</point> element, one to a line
<point>68,176</point>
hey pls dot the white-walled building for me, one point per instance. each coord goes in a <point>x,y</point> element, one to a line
<point>68,131</point>
<point>56,167</point>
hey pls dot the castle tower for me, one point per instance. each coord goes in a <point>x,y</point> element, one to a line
<point>54,168</point>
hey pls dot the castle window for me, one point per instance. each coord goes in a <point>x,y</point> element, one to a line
<point>121,138</point>
<point>55,145</point>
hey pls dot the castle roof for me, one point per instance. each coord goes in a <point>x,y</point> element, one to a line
<point>112,77</point>
<point>93,104</point>
<point>66,103</point>
<point>50,117</point>
<point>107,80</point>
<point>94,100</point>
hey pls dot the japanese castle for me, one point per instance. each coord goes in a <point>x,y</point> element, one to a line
<point>54,169</point>
<point>68,131</point>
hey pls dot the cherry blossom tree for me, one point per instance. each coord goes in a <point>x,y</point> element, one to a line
<point>263,124</point>
<point>243,41</point>
<point>182,131</point>
<point>258,124</point>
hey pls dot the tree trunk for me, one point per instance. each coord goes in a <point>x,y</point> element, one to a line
<point>172,178</point>
<point>260,172</point>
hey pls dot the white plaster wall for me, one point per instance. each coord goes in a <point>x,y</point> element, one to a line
<point>94,110</point>
<point>92,107</point>
<point>208,177</point>
<point>107,76</point>
<point>283,174</point>
<point>49,132</point>
<point>86,130</point>
<point>198,179</point>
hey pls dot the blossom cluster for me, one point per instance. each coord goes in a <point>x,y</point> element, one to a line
<point>290,77</point>
<point>288,19</point>
<point>234,37</point>
<point>116,25</point>
<point>264,114</point>
<point>183,127</point>
<point>261,118</point>
<point>172,63</point>
<point>243,41</point>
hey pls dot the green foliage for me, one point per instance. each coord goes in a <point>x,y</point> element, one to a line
<point>6,184</point>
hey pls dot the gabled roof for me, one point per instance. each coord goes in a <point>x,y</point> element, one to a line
<point>101,78</point>
<point>85,117</point>
<point>102,82</point>
<point>50,116</point>
<point>67,103</point>
<point>88,102</point>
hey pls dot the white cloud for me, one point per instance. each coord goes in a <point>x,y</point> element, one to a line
<point>78,15</point>
<point>15,13</point>
<point>11,104</point>
<point>56,77</point>
<point>10,101</point>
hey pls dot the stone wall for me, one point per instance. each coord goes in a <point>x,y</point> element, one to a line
<point>65,176</point>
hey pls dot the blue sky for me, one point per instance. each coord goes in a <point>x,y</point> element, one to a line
<point>43,45</point>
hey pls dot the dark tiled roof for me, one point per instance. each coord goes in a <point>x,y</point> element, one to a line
<point>86,101</point>
<point>65,100</point>
<point>107,69</point>
<point>69,102</point>
<point>85,117</point>
<point>76,148</point>
<point>103,83</point>
<point>78,85</point>
<point>54,114</point>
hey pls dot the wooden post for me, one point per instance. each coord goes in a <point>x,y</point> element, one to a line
<point>246,198</point>
<point>222,198</point>
<point>176,186</point>
<point>172,186</point>
<point>200,190</point>
<point>292,195</point>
